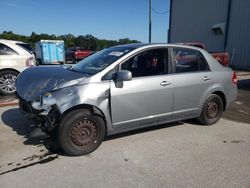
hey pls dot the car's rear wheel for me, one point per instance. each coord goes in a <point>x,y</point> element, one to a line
<point>81,132</point>
<point>8,82</point>
<point>212,110</point>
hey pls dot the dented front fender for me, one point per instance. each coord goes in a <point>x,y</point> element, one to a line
<point>93,94</point>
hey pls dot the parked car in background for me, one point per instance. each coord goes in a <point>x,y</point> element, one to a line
<point>50,52</point>
<point>15,56</point>
<point>221,57</point>
<point>76,54</point>
<point>125,88</point>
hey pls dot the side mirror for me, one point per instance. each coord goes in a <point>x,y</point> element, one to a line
<point>122,76</point>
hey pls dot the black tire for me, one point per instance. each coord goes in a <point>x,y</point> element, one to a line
<point>8,82</point>
<point>212,110</point>
<point>81,132</point>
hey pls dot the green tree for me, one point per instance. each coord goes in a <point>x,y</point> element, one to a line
<point>88,42</point>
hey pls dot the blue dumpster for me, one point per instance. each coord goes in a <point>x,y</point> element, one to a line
<point>50,51</point>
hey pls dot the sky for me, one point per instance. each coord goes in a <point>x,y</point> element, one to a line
<point>104,19</point>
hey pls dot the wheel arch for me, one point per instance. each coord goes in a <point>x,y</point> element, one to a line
<point>93,109</point>
<point>215,89</point>
<point>222,96</point>
<point>9,69</point>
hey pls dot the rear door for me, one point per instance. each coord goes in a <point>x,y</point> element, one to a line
<point>192,78</point>
<point>148,98</point>
<point>9,58</point>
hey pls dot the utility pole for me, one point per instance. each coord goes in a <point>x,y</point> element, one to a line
<point>150,25</point>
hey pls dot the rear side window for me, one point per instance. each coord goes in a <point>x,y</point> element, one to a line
<point>188,60</point>
<point>147,63</point>
<point>5,50</point>
<point>25,46</point>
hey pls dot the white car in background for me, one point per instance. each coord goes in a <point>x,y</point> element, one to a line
<point>15,56</point>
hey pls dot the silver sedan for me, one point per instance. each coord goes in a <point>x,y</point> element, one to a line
<point>125,88</point>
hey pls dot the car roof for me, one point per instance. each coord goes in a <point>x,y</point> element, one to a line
<point>132,45</point>
<point>141,45</point>
<point>12,41</point>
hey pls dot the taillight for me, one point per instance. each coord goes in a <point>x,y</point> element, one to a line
<point>30,62</point>
<point>234,78</point>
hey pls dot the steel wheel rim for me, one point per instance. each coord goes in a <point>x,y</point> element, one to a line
<point>8,83</point>
<point>212,109</point>
<point>83,133</point>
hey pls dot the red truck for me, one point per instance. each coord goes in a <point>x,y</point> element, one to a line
<point>222,58</point>
<point>76,54</point>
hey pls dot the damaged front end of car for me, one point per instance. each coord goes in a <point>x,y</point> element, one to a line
<point>44,114</point>
<point>37,99</point>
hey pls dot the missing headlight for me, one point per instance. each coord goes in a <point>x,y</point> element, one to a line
<point>44,103</point>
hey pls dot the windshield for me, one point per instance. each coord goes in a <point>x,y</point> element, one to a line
<point>100,60</point>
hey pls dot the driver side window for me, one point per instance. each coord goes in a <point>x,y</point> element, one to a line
<point>110,74</point>
<point>147,63</point>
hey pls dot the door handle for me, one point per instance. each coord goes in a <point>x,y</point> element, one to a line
<point>206,78</point>
<point>165,83</point>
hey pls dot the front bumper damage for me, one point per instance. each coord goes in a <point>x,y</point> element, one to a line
<point>45,120</point>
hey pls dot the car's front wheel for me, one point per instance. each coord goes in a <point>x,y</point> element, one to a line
<point>212,110</point>
<point>81,132</point>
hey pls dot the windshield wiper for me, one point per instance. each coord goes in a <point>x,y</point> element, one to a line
<point>75,70</point>
<point>68,67</point>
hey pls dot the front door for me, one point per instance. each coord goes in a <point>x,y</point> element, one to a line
<point>148,98</point>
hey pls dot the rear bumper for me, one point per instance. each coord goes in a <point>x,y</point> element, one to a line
<point>232,96</point>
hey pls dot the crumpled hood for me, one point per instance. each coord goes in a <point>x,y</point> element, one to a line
<point>36,81</point>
